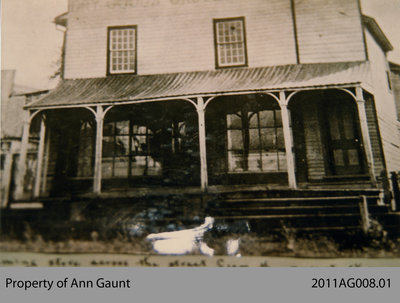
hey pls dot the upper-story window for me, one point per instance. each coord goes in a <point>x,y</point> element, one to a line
<point>122,50</point>
<point>230,42</point>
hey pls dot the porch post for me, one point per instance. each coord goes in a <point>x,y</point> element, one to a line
<point>39,164</point>
<point>202,143</point>
<point>46,160</point>
<point>98,150</point>
<point>287,135</point>
<point>21,167</point>
<point>362,115</point>
<point>7,173</point>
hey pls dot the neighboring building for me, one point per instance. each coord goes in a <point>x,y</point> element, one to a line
<point>289,94</point>
<point>13,99</point>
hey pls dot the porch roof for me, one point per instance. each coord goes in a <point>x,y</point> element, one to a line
<point>130,88</point>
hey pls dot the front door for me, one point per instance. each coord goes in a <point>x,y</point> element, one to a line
<point>344,146</point>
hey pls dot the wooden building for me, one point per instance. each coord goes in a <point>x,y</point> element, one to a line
<point>13,99</point>
<point>210,94</point>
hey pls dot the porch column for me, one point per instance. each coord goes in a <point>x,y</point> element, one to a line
<point>287,135</point>
<point>362,116</point>
<point>39,163</point>
<point>7,173</point>
<point>46,160</point>
<point>202,143</point>
<point>98,150</point>
<point>21,167</point>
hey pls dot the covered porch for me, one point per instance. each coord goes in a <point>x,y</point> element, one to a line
<point>293,127</point>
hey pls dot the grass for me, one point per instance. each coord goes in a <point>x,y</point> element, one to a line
<point>288,243</point>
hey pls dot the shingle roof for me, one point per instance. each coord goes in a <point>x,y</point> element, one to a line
<point>120,88</point>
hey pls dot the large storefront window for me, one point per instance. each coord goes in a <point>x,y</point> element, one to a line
<point>127,150</point>
<point>86,150</point>
<point>255,141</point>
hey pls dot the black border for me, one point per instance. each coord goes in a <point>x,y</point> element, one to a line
<point>108,73</point>
<point>215,21</point>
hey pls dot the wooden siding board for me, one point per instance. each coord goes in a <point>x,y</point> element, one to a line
<point>313,142</point>
<point>329,31</point>
<point>375,137</point>
<point>179,38</point>
<point>385,104</point>
<point>395,81</point>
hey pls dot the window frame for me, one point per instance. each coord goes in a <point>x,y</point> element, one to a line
<point>130,154</point>
<point>277,149</point>
<point>111,28</point>
<point>217,58</point>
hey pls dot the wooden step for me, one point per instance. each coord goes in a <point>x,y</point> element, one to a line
<point>295,193</point>
<point>299,199</point>
<point>299,220</point>
<point>282,210</point>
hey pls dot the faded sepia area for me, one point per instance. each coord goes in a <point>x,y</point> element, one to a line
<point>201,127</point>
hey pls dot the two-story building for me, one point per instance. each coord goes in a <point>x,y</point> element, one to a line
<point>201,94</point>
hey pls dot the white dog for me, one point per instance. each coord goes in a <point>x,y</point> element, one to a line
<point>183,241</point>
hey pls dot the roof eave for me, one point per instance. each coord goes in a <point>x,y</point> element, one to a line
<point>61,19</point>
<point>394,66</point>
<point>375,30</point>
<point>32,93</point>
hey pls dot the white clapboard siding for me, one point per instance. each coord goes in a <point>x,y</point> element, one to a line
<point>385,104</point>
<point>175,36</point>
<point>329,31</point>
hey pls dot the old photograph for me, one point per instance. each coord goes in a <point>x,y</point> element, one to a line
<point>200,128</point>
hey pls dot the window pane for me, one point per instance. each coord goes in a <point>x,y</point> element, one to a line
<point>235,161</point>
<point>141,130</point>
<point>234,121</point>
<point>154,167</point>
<point>278,117</point>
<point>254,162</point>
<point>121,167</point>
<point>139,145</point>
<point>280,143</point>
<point>108,146</point>
<point>230,42</point>
<point>138,165</point>
<point>282,161</point>
<point>253,120</point>
<point>122,128</point>
<point>106,167</point>
<point>235,139</point>
<point>267,118</point>
<point>108,129</point>
<point>348,125</point>
<point>122,145</point>
<point>85,154</point>
<point>254,139</point>
<point>270,161</point>
<point>121,41</point>
<point>268,138</point>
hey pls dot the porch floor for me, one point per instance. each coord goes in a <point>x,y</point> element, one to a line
<point>220,189</point>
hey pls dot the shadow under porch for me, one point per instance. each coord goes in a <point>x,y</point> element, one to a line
<point>156,145</point>
<point>151,145</point>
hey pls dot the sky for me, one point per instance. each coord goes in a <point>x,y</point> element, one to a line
<point>31,43</point>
